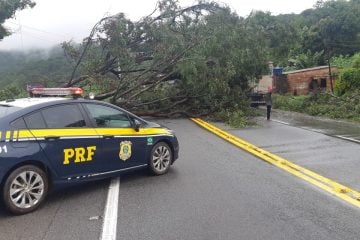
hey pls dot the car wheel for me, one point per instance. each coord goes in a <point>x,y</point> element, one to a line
<point>25,189</point>
<point>160,159</point>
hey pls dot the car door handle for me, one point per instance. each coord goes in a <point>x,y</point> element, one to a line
<point>52,138</point>
<point>108,136</point>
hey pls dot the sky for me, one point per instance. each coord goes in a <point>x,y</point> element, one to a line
<point>51,22</point>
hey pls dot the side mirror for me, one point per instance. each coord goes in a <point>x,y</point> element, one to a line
<point>136,126</point>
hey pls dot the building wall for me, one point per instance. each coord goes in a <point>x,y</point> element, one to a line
<point>304,81</point>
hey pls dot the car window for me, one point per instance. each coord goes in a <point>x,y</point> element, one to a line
<point>35,121</point>
<point>63,116</point>
<point>18,124</point>
<point>108,117</point>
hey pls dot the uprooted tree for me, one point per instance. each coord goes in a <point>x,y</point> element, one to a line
<point>190,61</point>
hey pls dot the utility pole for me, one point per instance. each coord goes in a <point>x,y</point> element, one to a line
<point>330,75</point>
<point>329,65</point>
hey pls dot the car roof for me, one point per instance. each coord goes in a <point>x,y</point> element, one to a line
<point>28,102</point>
<point>26,105</point>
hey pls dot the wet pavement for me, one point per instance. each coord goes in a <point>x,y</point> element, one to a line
<point>213,191</point>
<point>328,147</point>
<point>218,191</point>
<point>337,128</point>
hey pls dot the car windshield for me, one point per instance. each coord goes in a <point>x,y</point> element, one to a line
<point>6,109</point>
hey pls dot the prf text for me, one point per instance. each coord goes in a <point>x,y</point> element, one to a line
<point>79,154</point>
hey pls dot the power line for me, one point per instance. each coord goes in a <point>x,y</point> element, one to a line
<point>36,29</point>
<point>29,34</point>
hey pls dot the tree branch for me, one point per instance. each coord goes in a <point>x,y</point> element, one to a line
<point>77,80</point>
<point>105,95</point>
<point>87,45</point>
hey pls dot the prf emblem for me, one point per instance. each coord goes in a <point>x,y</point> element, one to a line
<point>125,150</point>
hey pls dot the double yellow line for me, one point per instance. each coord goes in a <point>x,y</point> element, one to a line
<point>324,183</point>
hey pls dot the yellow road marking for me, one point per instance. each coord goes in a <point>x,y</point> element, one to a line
<point>322,182</point>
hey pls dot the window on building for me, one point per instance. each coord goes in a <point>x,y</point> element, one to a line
<point>323,83</point>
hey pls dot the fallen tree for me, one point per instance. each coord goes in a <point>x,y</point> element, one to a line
<point>176,61</point>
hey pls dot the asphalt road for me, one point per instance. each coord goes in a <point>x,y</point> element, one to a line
<point>345,130</point>
<point>213,191</point>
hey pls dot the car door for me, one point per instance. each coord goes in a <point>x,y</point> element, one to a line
<point>69,143</point>
<point>122,144</point>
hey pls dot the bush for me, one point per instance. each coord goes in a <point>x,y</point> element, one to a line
<point>356,61</point>
<point>323,104</point>
<point>238,118</point>
<point>349,80</point>
<point>10,92</point>
<point>292,103</point>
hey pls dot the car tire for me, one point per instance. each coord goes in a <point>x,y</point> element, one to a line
<point>160,159</point>
<point>25,189</point>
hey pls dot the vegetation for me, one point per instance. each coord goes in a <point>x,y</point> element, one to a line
<point>174,63</point>
<point>199,60</point>
<point>322,104</point>
<point>347,61</point>
<point>345,104</point>
<point>349,80</point>
<point>17,69</point>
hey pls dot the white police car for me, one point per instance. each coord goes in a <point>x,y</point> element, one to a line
<point>50,141</point>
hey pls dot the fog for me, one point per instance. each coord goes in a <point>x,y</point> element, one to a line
<point>51,22</point>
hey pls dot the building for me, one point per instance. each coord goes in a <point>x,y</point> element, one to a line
<point>301,82</point>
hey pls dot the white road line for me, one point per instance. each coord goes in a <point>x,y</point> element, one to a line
<point>111,210</point>
<point>347,138</point>
<point>344,137</point>
<point>281,122</point>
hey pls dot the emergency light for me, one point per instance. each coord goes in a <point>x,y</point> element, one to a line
<point>74,91</point>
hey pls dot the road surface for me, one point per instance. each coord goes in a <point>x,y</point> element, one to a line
<point>214,191</point>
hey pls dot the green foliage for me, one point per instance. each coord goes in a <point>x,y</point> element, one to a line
<point>10,92</point>
<point>312,37</point>
<point>346,61</point>
<point>290,103</point>
<point>356,61</point>
<point>305,60</point>
<point>238,118</point>
<point>349,79</point>
<point>341,61</point>
<point>334,28</point>
<point>48,67</point>
<point>198,60</point>
<point>280,33</point>
<point>323,104</point>
<point>8,9</point>
<point>220,69</point>
<point>178,61</point>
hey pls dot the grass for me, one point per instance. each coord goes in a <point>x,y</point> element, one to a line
<point>322,104</point>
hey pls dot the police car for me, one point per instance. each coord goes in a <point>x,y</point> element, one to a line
<point>47,141</point>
